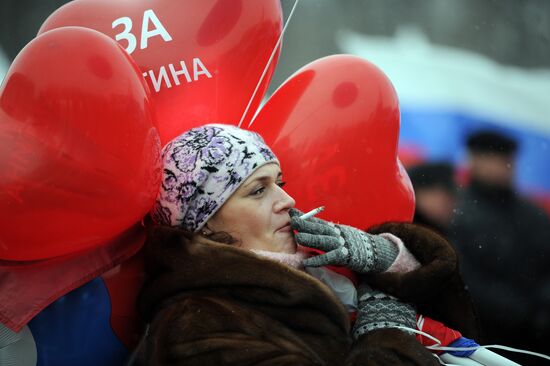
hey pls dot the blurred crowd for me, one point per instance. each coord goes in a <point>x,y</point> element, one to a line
<point>502,237</point>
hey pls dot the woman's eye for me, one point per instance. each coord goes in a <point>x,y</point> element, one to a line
<point>281,184</point>
<point>258,191</point>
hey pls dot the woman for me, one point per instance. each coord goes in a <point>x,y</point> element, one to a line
<point>227,284</point>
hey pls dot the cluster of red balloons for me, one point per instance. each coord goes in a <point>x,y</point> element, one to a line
<point>82,119</point>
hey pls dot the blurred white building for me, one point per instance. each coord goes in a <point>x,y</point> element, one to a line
<point>4,64</point>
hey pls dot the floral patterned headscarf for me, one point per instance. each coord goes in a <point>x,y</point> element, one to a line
<point>202,168</point>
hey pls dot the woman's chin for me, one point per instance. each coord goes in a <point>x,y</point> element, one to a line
<point>277,243</point>
<point>288,245</point>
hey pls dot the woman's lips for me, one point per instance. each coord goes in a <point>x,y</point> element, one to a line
<point>286,228</point>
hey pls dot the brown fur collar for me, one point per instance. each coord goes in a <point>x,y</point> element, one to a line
<point>215,304</point>
<point>436,288</point>
<point>179,262</point>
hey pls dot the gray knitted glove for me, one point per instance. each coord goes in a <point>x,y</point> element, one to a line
<point>377,310</point>
<point>344,245</point>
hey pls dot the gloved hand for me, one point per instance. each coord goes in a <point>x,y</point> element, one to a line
<point>376,310</point>
<point>377,342</point>
<point>344,245</point>
<point>389,347</point>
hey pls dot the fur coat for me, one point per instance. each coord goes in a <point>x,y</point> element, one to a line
<point>214,304</point>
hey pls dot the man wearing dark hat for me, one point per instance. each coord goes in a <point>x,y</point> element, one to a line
<point>504,243</point>
<point>435,195</point>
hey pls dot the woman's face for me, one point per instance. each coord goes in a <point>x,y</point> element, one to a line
<point>257,213</point>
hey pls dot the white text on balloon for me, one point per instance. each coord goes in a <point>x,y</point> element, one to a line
<point>149,16</point>
<point>164,77</point>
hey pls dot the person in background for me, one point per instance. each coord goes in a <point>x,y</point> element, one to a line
<point>504,243</point>
<point>435,195</point>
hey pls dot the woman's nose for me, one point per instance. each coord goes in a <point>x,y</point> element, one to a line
<point>284,201</point>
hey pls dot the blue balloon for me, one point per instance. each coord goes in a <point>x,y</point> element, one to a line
<point>76,330</point>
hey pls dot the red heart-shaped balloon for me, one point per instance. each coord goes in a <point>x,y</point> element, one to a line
<point>79,154</point>
<point>334,125</point>
<point>202,59</point>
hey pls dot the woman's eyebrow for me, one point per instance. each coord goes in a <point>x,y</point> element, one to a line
<point>261,178</point>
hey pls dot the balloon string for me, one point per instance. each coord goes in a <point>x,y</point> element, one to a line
<point>268,64</point>
<point>438,347</point>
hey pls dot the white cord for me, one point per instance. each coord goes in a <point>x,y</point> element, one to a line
<point>437,346</point>
<point>267,65</point>
<point>511,349</point>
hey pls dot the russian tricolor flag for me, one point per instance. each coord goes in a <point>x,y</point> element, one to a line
<point>447,93</point>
